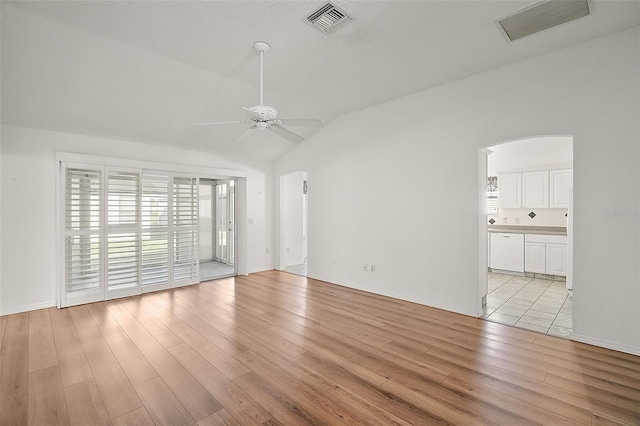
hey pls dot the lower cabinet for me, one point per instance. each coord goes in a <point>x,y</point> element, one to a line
<point>535,257</point>
<point>557,259</point>
<point>545,254</point>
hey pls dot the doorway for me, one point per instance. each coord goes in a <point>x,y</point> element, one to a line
<point>529,285</point>
<point>217,228</point>
<point>294,192</point>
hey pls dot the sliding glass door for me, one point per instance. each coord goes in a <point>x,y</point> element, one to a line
<point>225,221</point>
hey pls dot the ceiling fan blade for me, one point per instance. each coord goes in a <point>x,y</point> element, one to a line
<point>221,122</point>
<point>287,134</point>
<point>252,113</point>
<point>244,135</point>
<point>306,122</point>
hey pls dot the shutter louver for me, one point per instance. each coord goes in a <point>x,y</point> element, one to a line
<point>155,230</point>
<point>82,230</point>
<point>185,221</point>
<point>123,262</point>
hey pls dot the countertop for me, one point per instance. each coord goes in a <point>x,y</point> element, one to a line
<point>518,229</point>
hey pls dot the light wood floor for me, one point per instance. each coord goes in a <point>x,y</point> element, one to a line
<point>275,348</point>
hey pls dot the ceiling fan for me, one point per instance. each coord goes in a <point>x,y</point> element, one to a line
<point>265,117</point>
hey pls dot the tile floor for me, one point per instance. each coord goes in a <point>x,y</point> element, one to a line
<point>212,270</point>
<point>298,269</point>
<point>536,304</point>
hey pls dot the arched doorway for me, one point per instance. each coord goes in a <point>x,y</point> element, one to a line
<point>526,234</point>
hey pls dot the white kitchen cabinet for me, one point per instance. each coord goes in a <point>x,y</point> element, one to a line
<point>535,190</point>
<point>535,257</point>
<point>510,191</point>
<point>507,251</point>
<point>559,183</point>
<point>546,254</point>
<point>556,259</point>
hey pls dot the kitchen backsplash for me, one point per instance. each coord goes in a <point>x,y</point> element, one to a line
<point>541,217</point>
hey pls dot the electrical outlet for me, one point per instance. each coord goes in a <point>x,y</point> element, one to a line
<point>504,220</point>
<point>517,220</point>
<point>373,268</point>
<point>365,267</point>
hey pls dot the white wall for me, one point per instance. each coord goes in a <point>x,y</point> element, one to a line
<point>422,150</point>
<point>28,193</point>
<point>292,199</point>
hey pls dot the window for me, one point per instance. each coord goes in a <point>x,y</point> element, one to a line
<point>492,195</point>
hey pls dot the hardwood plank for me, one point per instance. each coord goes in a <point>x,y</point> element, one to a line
<point>3,326</point>
<point>374,394</point>
<point>42,348</point>
<point>281,406</point>
<point>117,392</point>
<point>74,367</point>
<point>47,403</point>
<point>162,405</point>
<point>532,413</point>
<point>158,330</point>
<point>139,417</point>
<point>319,409</point>
<point>133,363</point>
<point>14,387</point>
<point>363,409</point>
<point>16,334</point>
<point>224,362</point>
<point>136,332</point>
<point>85,325</point>
<point>60,318</point>
<point>85,404</point>
<point>193,396</point>
<point>221,418</point>
<point>239,404</point>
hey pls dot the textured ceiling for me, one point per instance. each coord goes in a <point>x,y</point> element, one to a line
<point>149,70</point>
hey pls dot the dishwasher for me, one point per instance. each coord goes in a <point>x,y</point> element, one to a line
<point>507,251</point>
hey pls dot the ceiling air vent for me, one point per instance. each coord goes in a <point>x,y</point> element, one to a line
<point>543,16</point>
<point>328,18</point>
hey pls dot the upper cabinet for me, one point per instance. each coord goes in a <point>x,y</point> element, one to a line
<point>540,189</point>
<point>560,182</point>
<point>535,190</point>
<point>510,191</point>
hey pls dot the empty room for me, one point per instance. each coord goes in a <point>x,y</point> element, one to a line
<point>311,212</point>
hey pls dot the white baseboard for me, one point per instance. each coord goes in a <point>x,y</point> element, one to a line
<point>633,350</point>
<point>27,308</point>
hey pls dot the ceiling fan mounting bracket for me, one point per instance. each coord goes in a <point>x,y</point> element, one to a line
<point>261,46</point>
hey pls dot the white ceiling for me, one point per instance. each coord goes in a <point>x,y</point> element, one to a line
<point>149,70</point>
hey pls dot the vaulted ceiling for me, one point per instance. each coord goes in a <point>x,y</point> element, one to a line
<point>148,70</point>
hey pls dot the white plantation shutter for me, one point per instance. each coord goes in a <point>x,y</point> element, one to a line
<point>155,230</point>
<point>126,231</point>
<point>185,230</point>
<point>83,209</point>
<point>123,229</point>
